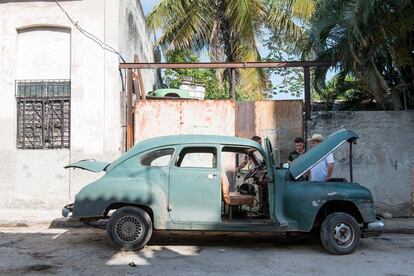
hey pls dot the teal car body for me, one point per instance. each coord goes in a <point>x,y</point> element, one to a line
<point>188,198</point>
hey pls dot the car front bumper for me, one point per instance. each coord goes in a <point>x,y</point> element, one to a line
<point>67,210</point>
<point>374,229</point>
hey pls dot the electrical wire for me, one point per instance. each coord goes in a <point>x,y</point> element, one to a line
<point>95,39</point>
<point>89,35</point>
<point>104,46</point>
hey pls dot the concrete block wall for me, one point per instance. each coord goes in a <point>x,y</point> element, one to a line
<point>383,157</point>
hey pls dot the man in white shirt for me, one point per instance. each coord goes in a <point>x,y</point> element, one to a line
<point>323,170</point>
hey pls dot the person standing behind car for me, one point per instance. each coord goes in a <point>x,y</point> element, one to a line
<point>323,170</point>
<point>299,149</point>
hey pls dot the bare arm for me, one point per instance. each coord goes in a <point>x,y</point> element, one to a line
<point>330,170</point>
<point>242,165</point>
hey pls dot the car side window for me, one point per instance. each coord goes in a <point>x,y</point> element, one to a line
<point>197,157</point>
<point>157,158</point>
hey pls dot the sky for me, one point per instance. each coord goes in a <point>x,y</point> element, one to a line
<point>148,5</point>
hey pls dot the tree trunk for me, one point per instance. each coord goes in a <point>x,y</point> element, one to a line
<point>216,52</point>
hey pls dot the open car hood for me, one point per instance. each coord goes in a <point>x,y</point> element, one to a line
<point>89,165</point>
<point>312,157</point>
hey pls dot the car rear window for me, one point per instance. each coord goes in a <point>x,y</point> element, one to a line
<point>157,158</point>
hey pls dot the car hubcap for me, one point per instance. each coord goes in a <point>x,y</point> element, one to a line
<point>128,229</point>
<point>344,234</point>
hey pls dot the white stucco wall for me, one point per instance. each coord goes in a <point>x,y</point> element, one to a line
<point>50,59</point>
<point>36,178</point>
<point>135,40</point>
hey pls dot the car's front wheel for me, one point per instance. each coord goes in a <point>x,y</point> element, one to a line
<point>129,228</point>
<point>340,233</point>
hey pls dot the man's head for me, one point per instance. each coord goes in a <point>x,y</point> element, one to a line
<point>257,139</point>
<point>315,139</point>
<point>299,146</point>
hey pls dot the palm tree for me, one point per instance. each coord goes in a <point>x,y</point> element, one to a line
<point>228,29</point>
<point>366,39</point>
<point>290,18</point>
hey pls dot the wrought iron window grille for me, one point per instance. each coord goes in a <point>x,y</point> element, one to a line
<point>43,114</point>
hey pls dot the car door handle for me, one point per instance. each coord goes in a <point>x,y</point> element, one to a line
<point>212,176</point>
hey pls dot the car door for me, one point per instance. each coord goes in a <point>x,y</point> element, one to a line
<point>195,187</point>
<point>275,188</point>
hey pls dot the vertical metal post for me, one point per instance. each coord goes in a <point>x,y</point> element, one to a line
<point>306,72</point>
<point>129,109</point>
<point>307,93</point>
<point>351,174</point>
<point>139,83</point>
<point>137,88</point>
<point>233,84</point>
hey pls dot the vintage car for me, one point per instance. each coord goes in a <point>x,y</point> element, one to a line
<point>191,182</point>
<point>169,93</point>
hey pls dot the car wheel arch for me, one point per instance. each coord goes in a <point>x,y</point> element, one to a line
<point>118,205</point>
<point>173,95</point>
<point>333,206</point>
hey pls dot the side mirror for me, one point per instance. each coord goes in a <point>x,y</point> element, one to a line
<point>286,165</point>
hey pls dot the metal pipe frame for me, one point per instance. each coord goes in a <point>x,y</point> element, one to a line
<point>203,65</point>
<point>226,65</point>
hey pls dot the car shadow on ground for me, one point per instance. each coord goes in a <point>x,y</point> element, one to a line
<point>229,239</point>
<point>80,250</point>
<point>211,238</point>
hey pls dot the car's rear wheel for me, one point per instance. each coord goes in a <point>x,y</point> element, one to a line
<point>340,233</point>
<point>129,228</point>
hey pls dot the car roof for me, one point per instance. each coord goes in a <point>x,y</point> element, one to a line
<point>173,140</point>
<point>194,139</point>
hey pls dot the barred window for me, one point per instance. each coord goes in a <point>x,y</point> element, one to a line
<point>43,114</point>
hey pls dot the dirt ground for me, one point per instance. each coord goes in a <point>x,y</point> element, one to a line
<point>84,251</point>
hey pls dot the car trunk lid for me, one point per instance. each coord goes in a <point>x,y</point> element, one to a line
<point>89,165</point>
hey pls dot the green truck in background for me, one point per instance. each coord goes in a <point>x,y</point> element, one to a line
<point>170,93</point>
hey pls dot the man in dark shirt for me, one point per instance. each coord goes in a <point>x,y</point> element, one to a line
<point>299,149</point>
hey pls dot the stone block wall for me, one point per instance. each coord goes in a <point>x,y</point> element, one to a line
<point>383,157</point>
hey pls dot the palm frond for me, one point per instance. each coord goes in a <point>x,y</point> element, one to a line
<point>185,24</point>
<point>303,9</point>
<point>280,20</point>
